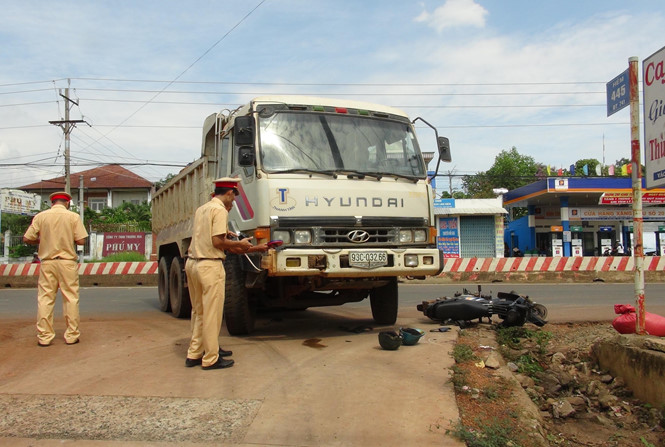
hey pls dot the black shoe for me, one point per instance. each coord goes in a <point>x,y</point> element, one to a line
<point>189,363</point>
<point>220,363</point>
<point>192,362</point>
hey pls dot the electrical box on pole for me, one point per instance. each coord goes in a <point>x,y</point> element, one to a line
<point>67,126</point>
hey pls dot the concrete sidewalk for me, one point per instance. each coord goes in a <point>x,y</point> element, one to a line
<point>302,379</point>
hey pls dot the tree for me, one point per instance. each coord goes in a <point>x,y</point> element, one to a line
<point>130,214</point>
<point>510,170</point>
<point>626,161</point>
<point>590,163</point>
<point>159,183</point>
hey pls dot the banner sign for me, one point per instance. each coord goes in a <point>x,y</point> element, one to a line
<point>653,72</point>
<point>122,242</point>
<point>649,213</point>
<point>14,201</point>
<point>448,237</point>
<point>618,93</point>
<point>626,198</point>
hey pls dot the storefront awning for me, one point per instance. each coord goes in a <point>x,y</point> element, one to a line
<point>466,207</point>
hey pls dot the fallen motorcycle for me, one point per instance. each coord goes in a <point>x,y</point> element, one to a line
<point>512,308</point>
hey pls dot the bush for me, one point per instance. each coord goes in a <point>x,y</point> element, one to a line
<point>126,256</point>
<point>20,251</point>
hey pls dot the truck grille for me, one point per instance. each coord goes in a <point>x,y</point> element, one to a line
<point>340,236</point>
<point>352,231</point>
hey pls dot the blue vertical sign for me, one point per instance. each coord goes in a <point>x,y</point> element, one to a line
<point>618,93</point>
<point>448,237</point>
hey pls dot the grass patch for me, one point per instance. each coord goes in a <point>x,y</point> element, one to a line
<point>514,337</point>
<point>459,377</point>
<point>529,365</point>
<point>493,433</point>
<point>463,353</point>
<point>126,256</point>
<point>491,392</point>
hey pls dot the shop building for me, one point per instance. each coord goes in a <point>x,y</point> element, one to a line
<point>470,228</point>
<point>583,216</point>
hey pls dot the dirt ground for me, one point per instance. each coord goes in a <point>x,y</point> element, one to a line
<point>548,393</point>
<point>312,378</point>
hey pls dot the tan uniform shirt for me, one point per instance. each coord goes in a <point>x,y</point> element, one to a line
<point>56,228</point>
<point>210,220</point>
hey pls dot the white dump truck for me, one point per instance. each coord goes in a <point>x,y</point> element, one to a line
<point>342,184</point>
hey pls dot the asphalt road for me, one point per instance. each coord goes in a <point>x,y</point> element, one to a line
<point>565,302</point>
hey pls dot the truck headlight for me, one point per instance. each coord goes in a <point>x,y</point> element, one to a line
<point>411,260</point>
<point>302,237</point>
<point>405,236</point>
<point>282,235</point>
<point>420,236</point>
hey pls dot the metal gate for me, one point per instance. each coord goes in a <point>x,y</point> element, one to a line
<point>477,237</point>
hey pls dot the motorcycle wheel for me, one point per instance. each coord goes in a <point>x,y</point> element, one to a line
<point>541,311</point>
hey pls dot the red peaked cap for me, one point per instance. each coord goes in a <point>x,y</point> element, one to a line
<point>227,182</point>
<point>60,195</point>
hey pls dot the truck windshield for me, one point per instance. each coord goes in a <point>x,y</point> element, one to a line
<point>338,142</point>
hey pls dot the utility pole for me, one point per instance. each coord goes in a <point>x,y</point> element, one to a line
<point>451,172</point>
<point>636,177</point>
<point>67,126</point>
<point>81,202</point>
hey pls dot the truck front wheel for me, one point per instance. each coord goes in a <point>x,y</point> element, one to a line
<point>163,284</point>
<point>239,312</point>
<point>383,301</point>
<point>181,307</point>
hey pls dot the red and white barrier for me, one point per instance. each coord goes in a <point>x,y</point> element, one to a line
<point>544,264</point>
<point>92,268</point>
<point>451,265</point>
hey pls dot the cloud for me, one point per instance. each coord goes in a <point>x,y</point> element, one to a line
<point>455,14</point>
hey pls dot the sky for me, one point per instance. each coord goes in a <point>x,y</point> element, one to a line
<point>488,74</point>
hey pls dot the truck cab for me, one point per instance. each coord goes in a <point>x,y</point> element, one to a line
<point>343,186</point>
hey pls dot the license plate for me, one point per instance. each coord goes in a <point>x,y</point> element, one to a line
<point>368,259</point>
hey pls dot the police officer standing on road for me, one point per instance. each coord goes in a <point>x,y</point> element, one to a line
<point>56,230</point>
<point>206,276</point>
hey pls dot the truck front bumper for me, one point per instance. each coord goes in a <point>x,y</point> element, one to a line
<point>359,263</point>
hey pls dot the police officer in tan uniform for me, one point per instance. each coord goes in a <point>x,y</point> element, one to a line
<point>56,230</point>
<point>206,277</point>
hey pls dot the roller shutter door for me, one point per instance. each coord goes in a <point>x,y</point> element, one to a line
<point>477,238</point>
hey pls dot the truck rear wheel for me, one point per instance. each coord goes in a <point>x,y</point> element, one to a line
<point>163,284</point>
<point>181,307</point>
<point>383,301</point>
<point>239,313</point>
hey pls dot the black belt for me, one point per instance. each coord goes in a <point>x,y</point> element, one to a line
<point>58,258</point>
<point>206,259</point>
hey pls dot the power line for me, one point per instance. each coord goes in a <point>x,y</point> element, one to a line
<point>190,66</point>
<point>337,84</point>
<point>199,92</point>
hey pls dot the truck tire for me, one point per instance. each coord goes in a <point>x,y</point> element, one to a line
<point>163,283</point>
<point>383,301</point>
<point>181,307</point>
<point>239,312</point>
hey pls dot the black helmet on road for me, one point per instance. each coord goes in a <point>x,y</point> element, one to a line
<point>390,340</point>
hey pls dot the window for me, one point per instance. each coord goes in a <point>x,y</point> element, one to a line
<point>96,204</point>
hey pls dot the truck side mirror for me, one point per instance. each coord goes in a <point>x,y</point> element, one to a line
<point>243,131</point>
<point>444,149</point>
<point>246,156</point>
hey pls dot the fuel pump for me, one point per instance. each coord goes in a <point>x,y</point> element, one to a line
<point>557,240</point>
<point>605,239</point>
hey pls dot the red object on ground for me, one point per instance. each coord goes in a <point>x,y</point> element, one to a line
<point>625,322</point>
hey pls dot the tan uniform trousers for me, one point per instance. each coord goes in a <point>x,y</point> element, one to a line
<point>54,274</point>
<point>206,280</point>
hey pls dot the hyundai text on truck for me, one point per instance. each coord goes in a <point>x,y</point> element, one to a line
<point>343,184</point>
